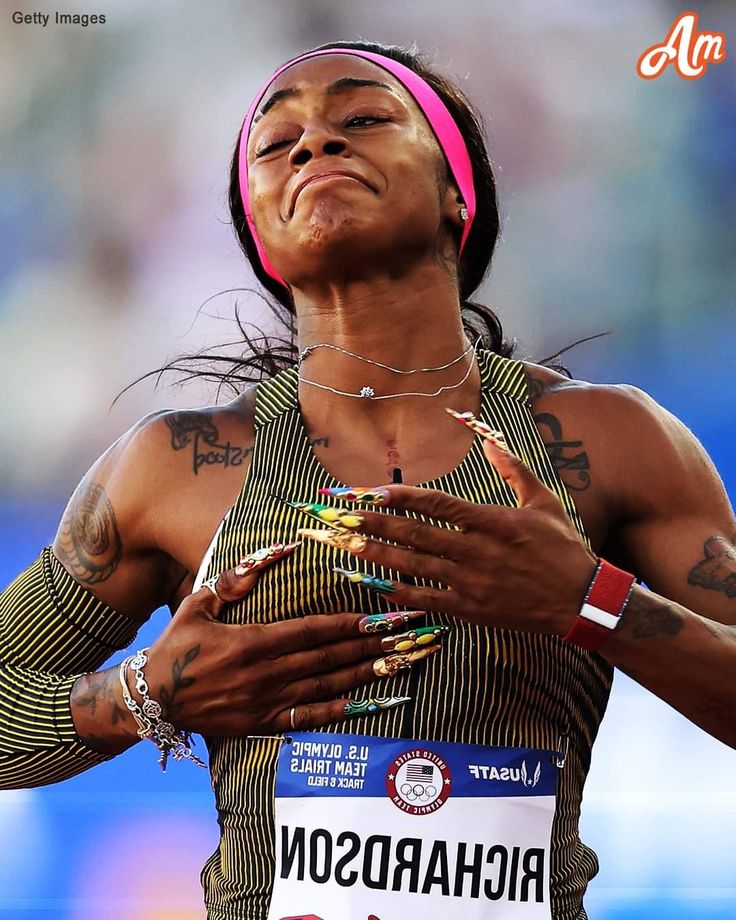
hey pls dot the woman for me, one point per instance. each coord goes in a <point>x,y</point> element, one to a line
<point>446,771</point>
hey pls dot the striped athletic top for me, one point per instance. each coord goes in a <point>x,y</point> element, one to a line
<point>488,686</point>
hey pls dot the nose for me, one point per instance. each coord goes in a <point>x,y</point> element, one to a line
<point>316,139</point>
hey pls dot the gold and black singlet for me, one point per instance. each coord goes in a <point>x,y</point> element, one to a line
<point>488,686</point>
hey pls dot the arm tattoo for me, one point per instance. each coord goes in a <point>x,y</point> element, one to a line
<point>565,464</point>
<point>717,571</point>
<point>198,429</point>
<point>646,618</point>
<point>100,689</point>
<point>167,695</point>
<point>89,541</point>
<point>95,692</point>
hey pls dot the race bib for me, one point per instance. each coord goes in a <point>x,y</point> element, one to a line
<point>389,829</point>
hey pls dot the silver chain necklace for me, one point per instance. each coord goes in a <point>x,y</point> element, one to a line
<point>387,367</point>
<point>368,392</point>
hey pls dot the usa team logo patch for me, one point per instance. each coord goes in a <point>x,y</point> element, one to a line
<point>419,782</point>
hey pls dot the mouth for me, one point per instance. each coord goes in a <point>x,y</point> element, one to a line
<point>326,177</point>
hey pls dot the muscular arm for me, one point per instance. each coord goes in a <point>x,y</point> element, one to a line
<point>123,546</point>
<point>674,528</point>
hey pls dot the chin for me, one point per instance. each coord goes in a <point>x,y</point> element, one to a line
<point>331,226</point>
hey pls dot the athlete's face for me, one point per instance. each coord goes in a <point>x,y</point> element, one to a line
<point>344,169</point>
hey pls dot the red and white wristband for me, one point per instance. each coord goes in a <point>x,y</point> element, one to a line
<point>606,599</point>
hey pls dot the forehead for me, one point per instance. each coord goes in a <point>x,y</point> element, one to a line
<point>319,73</point>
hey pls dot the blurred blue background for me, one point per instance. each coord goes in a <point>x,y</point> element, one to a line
<point>618,198</point>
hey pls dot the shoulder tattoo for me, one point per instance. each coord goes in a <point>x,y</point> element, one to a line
<point>568,457</point>
<point>570,461</point>
<point>89,539</point>
<point>197,431</point>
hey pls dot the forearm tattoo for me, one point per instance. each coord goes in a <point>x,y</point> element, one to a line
<point>97,693</point>
<point>717,570</point>
<point>198,431</point>
<point>89,541</point>
<point>646,617</point>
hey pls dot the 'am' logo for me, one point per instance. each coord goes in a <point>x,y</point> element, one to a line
<point>689,50</point>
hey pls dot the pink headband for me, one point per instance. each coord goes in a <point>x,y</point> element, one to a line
<point>442,123</point>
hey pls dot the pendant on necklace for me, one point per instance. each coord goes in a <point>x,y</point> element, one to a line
<point>367,392</point>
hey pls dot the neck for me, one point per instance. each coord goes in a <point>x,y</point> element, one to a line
<point>406,323</point>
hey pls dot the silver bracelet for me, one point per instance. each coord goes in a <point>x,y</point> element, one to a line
<point>144,726</point>
<point>149,716</point>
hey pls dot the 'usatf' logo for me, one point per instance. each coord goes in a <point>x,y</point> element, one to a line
<point>689,50</point>
<point>507,774</point>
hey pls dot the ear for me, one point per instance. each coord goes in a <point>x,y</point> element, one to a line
<point>452,206</point>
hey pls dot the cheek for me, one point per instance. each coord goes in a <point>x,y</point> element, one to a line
<point>264,203</point>
<point>416,191</point>
<point>421,174</point>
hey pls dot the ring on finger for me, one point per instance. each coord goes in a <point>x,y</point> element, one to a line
<point>210,583</point>
<point>292,720</point>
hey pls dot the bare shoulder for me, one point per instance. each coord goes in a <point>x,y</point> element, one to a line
<point>597,405</point>
<point>140,516</point>
<point>645,458</point>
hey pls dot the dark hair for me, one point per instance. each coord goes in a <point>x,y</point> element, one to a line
<point>264,355</point>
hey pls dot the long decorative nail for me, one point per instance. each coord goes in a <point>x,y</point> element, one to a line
<point>485,431</point>
<point>378,703</point>
<point>265,556</point>
<point>392,664</point>
<point>342,518</point>
<point>382,585</point>
<point>369,496</point>
<point>340,539</point>
<point>387,622</point>
<point>415,638</point>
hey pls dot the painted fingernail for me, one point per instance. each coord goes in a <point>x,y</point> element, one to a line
<point>377,704</point>
<point>415,638</point>
<point>382,585</point>
<point>265,556</point>
<point>392,664</point>
<point>340,539</point>
<point>326,514</point>
<point>367,495</point>
<point>387,622</point>
<point>485,431</point>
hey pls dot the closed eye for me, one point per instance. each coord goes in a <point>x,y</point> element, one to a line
<point>366,118</point>
<point>270,147</point>
<point>358,121</point>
